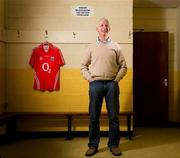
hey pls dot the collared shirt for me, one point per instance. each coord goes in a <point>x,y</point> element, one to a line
<point>105,41</point>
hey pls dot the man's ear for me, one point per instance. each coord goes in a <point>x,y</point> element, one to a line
<point>96,28</point>
<point>109,29</point>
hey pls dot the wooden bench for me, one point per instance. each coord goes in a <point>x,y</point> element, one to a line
<point>69,116</point>
<point>8,119</point>
<point>127,114</point>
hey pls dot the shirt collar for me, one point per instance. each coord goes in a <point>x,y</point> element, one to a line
<point>106,41</point>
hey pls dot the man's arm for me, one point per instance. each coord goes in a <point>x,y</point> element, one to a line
<point>122,67</point>
<point>85,66</point>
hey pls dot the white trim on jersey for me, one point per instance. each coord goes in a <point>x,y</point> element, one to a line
<point>37,81</point>
<point>56,79</point>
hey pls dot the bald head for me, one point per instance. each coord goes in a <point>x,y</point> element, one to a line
<point>105,20</point>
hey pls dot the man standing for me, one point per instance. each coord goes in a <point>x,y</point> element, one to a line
<point>103,66</point>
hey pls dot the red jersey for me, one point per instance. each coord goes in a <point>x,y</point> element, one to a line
<point>46,60</point>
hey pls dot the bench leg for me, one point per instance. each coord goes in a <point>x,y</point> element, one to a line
<point>11,128</point>
<point>69,126</point>
<point>129,126</point>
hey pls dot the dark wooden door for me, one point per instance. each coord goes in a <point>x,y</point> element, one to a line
<point>150,78</point>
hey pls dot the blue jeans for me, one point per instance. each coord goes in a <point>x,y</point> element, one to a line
<point>110,91</point>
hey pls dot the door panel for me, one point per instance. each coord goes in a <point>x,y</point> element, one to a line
<point>150,77</point>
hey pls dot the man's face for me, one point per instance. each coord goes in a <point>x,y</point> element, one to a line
<point>103,28</point>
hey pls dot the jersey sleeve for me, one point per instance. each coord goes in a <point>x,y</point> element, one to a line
<point>32,59</point>
<point>61,58</point>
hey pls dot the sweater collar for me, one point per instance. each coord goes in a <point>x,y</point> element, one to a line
<point>105,41</point>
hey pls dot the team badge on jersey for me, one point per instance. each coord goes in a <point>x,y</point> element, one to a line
<point>52,58</point>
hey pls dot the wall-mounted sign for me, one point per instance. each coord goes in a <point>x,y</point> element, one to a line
<point>82,11</point>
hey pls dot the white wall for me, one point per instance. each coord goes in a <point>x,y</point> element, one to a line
<point>27,22</point>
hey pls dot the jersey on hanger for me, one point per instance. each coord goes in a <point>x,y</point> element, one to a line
<point>46,60</point>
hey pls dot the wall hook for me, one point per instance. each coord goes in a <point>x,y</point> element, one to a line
<point>18,33</point>
<point>74,35</point>
<point>130,34</point>
<point>46,33</point>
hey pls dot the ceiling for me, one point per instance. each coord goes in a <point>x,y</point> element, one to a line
<point>156,3</point>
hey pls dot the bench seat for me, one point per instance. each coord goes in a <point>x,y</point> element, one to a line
<point>10,119</point>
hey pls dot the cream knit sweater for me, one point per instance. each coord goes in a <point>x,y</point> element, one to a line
<point>103,61</point>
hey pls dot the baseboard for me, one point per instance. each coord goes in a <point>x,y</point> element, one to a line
<point>164,125</point>
<point>173,124</point>
<point>4,139</point>
<point>62,134</point>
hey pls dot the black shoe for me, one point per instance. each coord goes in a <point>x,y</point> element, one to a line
<point>91,151</point>
<point>115,151</point>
